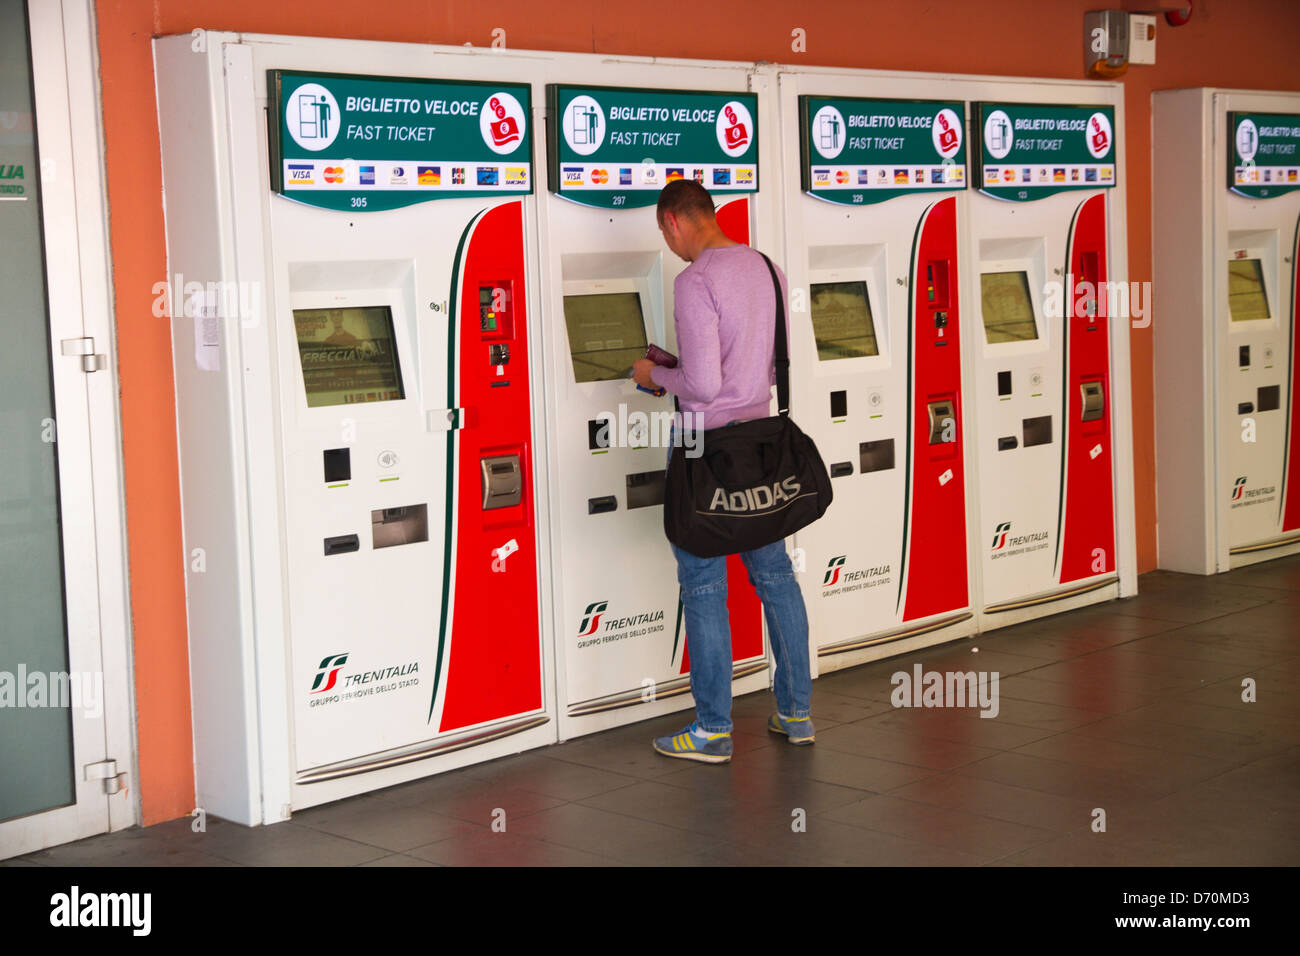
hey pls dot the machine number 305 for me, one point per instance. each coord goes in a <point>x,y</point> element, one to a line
<point>358,202</point>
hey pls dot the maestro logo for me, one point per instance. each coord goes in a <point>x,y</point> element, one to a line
<point>828,132</point>
<point>735,128</point>
<point>1238,487</point>
<point>591,620</point>
<point>1098,135</point>
<point>328,673</point>
<point>833,567</point>
<point>584,125</point>
<point>503,122</point>
<point>1000,535</point>
<point>998,136</point>
<point>312,116</point>
<point>946,132</point>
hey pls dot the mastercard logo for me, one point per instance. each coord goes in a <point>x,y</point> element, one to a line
<point>1009,175</point>
<point>841,176</point>
<point>333,174</point>
<point>599,176</point>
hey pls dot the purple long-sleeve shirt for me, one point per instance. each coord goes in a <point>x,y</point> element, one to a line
<point>725,316</point>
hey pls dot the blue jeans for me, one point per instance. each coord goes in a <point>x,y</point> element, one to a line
<point>708,632</point>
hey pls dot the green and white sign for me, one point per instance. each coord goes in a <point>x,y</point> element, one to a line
<point>858,151</point>
<point>1263,154</point>
<point>1032,150</point>
<point>616,148</point>
<point>367,143</point>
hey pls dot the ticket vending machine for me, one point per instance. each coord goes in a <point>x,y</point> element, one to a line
<point>1226,226</point>
<point>871,185</point>
<point>608,292</point>
<point>1047,336</point>
<point>352,332</point>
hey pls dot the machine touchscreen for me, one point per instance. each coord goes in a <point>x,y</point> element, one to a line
<point>606,334</point>
<point>1247,297</point>
<point>1008,310</point>
<point>348,355</point>
<point>842,322</point>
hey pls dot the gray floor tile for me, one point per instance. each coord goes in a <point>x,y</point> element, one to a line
<point>507,848</point>
<point>984,838</point>
<point>989,798</point>
<point>868,739</point>
<point>613,835</point>
<point>392,828</point>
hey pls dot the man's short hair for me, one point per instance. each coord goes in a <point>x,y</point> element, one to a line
<point>685,198</point>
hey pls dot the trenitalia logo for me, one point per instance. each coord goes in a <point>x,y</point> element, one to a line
<point>833,571</point>
<point>1000,535</point>
<point>329,666</point>
<point>1238,487</point>
<point>591,621</point>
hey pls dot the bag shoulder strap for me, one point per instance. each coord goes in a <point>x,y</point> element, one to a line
<point>780,350</point>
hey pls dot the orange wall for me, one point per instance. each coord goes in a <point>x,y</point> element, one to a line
<point>1234,43</point>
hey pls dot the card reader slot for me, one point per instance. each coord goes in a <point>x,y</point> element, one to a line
<point>1008,443</point>
<point>342,544</point>
<point>1245,408</point>
<point>601,505</point>
<point>841,469</point>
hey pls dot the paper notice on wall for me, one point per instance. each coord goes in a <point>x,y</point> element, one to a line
<point>207,331</point>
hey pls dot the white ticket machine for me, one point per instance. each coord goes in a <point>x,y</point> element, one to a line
<point>871,190</point>
<point>608,292</point>
<point>1047,335</point>
<point>352,328</point>
<point>1226,221</point>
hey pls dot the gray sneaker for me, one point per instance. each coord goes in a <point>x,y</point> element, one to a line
<point>798,729</point>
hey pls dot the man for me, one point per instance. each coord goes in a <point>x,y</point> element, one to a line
<point>725,317</point>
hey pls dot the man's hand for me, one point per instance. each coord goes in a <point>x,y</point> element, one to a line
<point>641,373</point>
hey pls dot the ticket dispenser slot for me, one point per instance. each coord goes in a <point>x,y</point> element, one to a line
<point>645,489</point>
<point>1094,401</point>
<point>1038,431</point>
<point>502,481</point>
<point>408,524</point>
<point>876,455</point>
<point>1268,398</point>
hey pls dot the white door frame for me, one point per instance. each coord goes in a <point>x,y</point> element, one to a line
<point>65,71</point>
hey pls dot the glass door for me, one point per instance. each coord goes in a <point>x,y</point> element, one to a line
<point>54,779</point>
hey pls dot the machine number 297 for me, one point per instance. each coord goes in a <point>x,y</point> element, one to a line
<point>618,200</point>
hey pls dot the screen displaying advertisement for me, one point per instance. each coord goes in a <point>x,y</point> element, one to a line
<point>348,355</point>
<point>1007,307</point>
<point>842,323</point>
<point>1247,297</point>
<point>606,334</point>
